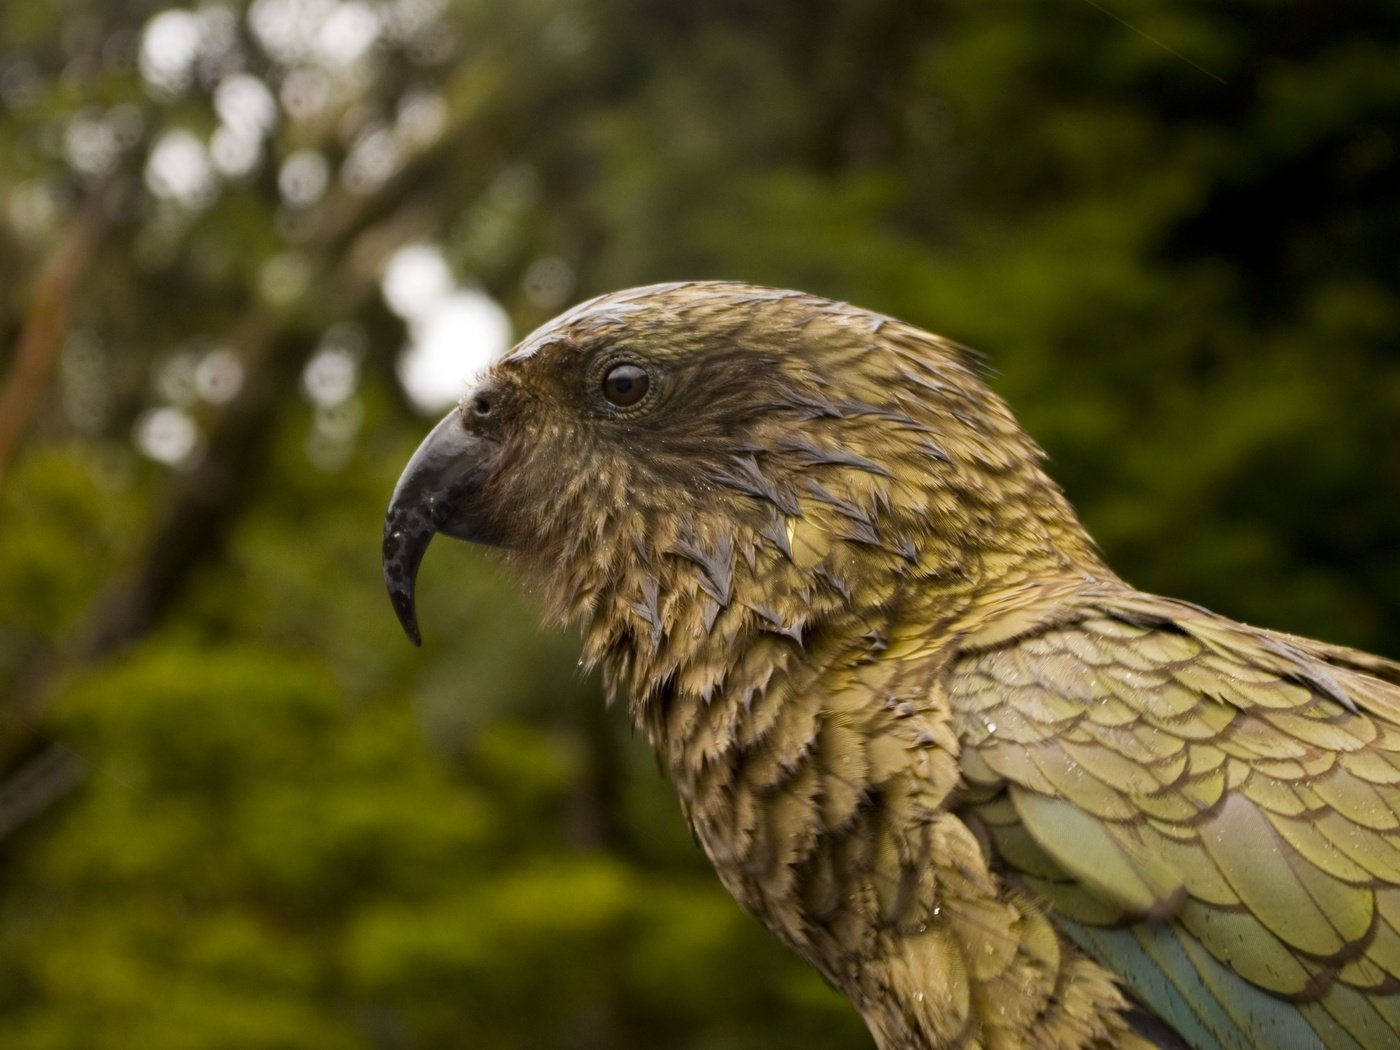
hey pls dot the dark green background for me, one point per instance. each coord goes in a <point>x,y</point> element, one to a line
<point>239,811</point>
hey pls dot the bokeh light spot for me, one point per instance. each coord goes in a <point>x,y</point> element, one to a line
<point>167,435</point>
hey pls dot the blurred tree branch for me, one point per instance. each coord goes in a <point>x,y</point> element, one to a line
<point>273,342</point>
<point>46,321</point>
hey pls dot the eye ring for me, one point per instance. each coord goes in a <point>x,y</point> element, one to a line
<point>625,384</point>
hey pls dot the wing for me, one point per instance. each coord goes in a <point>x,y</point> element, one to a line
<point>1209,809</point>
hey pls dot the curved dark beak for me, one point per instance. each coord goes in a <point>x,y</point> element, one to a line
<point>437,492</point>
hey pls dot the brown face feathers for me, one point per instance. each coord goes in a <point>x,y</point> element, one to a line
<point>793,458</point>
<point>922,732</point>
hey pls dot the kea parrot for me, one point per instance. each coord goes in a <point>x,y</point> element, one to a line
<point>991,792</point>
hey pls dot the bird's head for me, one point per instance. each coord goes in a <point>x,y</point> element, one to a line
<point>718,461</point>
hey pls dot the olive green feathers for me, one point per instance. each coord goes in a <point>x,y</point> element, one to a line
<point>987,789</point>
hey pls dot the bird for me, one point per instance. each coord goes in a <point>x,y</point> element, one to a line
<point>994,794</point>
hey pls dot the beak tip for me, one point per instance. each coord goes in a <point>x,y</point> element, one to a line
<point>403,550</point>
<point>407,615</point>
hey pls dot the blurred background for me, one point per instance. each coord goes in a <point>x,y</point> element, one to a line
<point>249,252</point>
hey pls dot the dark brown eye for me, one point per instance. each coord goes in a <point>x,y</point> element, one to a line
<point>625,385</point>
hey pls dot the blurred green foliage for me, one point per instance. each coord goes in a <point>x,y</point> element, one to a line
<point>237,809</point>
